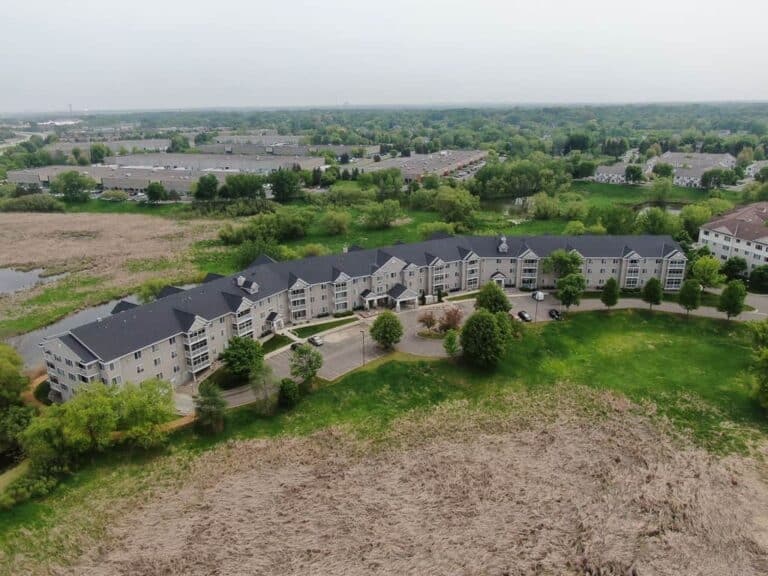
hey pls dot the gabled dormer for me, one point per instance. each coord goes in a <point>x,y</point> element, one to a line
<point>502,247</point>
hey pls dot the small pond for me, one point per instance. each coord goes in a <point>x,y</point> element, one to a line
<point>14,280</point>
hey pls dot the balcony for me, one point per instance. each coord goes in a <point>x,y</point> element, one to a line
<point>633,272</point>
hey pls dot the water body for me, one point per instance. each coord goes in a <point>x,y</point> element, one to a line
<point>14,280</point>
<point>27,345</point>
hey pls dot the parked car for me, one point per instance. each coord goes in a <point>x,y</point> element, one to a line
<point>538,296</point>
<point>315,340</point>
<point>296,345</point>
<point>555,314</point>
<point>524,316</point>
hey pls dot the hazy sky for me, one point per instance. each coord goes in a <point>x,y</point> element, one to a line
<point>133,54</point>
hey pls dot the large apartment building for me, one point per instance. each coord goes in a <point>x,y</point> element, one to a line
<point>741,232</point>
<point>178,336</point>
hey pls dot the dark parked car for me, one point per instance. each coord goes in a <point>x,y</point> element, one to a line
<point>524,316</point>
<point>296,345</point>
<point>555,314</point>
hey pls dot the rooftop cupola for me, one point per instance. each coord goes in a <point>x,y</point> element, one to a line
<point>503,248</point>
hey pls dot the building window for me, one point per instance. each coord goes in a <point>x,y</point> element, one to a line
<point>172,340</point>
<point>139,369</point>
<point>176,369</point>
<point>68,362</point>
<point>155,347</point>
<point>137,355</point>
<point>157,361</point>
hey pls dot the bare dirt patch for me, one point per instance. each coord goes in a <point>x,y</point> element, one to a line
<point>459,491</point>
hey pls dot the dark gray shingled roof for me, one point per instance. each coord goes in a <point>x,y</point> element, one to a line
<point>80,351</point>
<point>133,329</point>
<point>168,290</point>
<point>122,306</point>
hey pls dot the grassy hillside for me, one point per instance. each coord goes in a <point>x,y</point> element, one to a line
<point>695,371</point>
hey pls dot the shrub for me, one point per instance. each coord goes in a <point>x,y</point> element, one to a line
<point>382,215</point>
<point>336,222</point>
<point>429,229</point>
<point>451,319</point>
<point>427,319</point>
<point>423,199</point>
<point>289,394</point>
<point>32,203</point>
<point>451,343</point>
<point>311,250</point>
<point>115,195</point>
<point>42,391</point>
<point>343,314</point>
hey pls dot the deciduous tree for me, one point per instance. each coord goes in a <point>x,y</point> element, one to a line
<point>570,289</point>
<point>492,298</point>
<point>706,270</point>
<point>305,362</point>
<point>732,299</point>
<point>210,407</point>
<point>610,293</point>
<point>652,292</point>
<point>689,296</point>
<point>242,356</point>
<point>387,330</point>
<point>482,343</point>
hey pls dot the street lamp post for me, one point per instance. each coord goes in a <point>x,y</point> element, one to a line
<point>536,310</point>
<point>362,333</point>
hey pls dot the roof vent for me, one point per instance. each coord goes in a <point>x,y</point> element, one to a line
<point>503,248</point>
<point>240,281</point>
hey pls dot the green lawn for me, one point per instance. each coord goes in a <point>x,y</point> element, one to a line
<point>467,296</point>
<point>277,341</point>
<point>307,331</point>
<point>603,195</point>
<point>696,371</point>
<point>707,298</point>
<point>107,207</point>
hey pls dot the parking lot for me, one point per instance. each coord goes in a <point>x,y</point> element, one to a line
<point>343,349</point>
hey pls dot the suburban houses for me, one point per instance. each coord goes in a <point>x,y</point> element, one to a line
<point>741,232</point>
<point>688,167</point>
<point>178,336</point>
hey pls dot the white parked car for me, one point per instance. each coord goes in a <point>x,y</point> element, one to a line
<point>538,296</point>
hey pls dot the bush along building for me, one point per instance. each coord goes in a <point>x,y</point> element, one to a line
<point>178,336</point>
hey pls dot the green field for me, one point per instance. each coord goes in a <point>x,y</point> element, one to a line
<point>108,207</point>
<point>709,299</point>
<point>697,373</point>
<point>307,331</point>
<point>604,195</point>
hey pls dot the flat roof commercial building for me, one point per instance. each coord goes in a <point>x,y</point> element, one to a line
<point>227,162</point>
<point>115,146</point>
<point>285,149</point>
<point>416,166</point>
<point>179,336</point>
<point>118,178</point>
